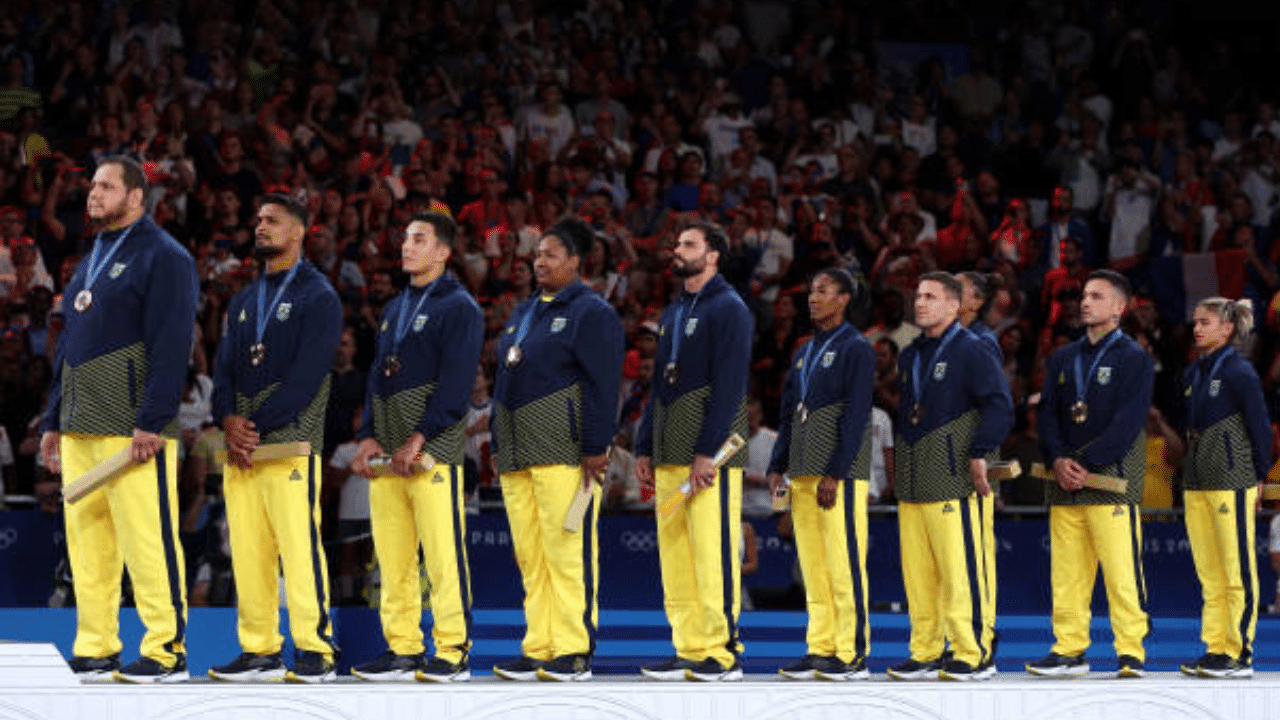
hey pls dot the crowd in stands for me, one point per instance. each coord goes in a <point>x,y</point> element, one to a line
<point>1030,141</point>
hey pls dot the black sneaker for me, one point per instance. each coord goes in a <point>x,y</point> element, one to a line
<point>917,670</point>
<point>566,668</point>
<point>1192,669</point>
<point>710,670</point>
<point>523,668</point>
<point>311,667</point>
<point>389,667</point>
<point>250,667</point>
<point>960,671</point>
<point>802,669</point>
<point>1130,667</point>
<point>1224,666</point>
<point>1055,665</point>
<point>442,671</point>
<point>146,670</point>
<point>836,670</point>
<point>670,669</point>
<point>89,669</point>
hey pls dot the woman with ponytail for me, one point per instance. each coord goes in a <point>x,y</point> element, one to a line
<point>1228,452</point>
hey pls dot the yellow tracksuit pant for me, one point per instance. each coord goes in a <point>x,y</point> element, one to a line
<point>1081,538</point>
<point>1221,525</point>
<point>832,546</point>
<point>560,569</point>
<point>943,552</point>
<point>425,511</point>
<point>131,522</point>
<point>699,549</point>
<point>273,517</point>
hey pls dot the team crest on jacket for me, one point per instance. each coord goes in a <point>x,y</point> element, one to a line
<point>690,326</point>
<point>116,270</point>
<point>242,315</point>
<point>1215,387</point>
<point>939,371</point>
<point>419,323</point>
<point>1104,375</point>
<point>828,357</point>
<point>558,324</point>
<point>282,312</point>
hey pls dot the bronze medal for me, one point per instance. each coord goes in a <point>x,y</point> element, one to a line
<point>1079,412</point>
<point>391,365</point>
<point>257,353</point>
<point>84,299</point>
<point>514,356</point>
<point>671,374</point>
<point>802,413</point>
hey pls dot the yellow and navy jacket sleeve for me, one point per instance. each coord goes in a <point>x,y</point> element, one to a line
<point>729,368</point>
<point>600,348</point>
<point>989,393</point>
<point>860,376</point>
<point>1245,385</point>
<point>122,363</point>
<point>301,337</point>
<point>1118,398</point>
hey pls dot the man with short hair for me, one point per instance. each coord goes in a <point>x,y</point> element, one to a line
<point>419,386</point>
<point>271,385</point>
<point>1093,410</point>
<point>118,380</point>
<point>955,407</point>
<point>699,400</point>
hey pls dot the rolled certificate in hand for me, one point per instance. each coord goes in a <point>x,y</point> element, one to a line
<point>275,451</point>
<point>105,472</point>
<point>381,464</point>
<point>1003,470</point>
<point>1106,483</point>
<point>677,497</point>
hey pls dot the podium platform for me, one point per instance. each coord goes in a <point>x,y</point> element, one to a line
<point>1162,696</point>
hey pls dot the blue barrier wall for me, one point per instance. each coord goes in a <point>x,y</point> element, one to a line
<point>629,562</point>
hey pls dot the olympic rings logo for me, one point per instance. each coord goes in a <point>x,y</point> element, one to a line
<point>639,541</point>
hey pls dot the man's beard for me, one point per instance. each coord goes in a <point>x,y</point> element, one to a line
<point>111,216</point>
<point>267,252</point>
<point>682,269</point>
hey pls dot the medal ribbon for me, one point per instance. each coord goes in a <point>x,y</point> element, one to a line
<point>94,266</point>
<point>806,366</point>
<point>677,330</point>
<point>1199,383</point>
<point>916,387</point>
<point>526,322</point>
<point>1082,381</point>
<point>262,298</point>
<point>402,324</point>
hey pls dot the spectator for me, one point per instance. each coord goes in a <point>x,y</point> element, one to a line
<point>756,499</point>
<point>1131,198</point>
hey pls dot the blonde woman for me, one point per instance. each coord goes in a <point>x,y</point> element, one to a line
<point>1228,453</point>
